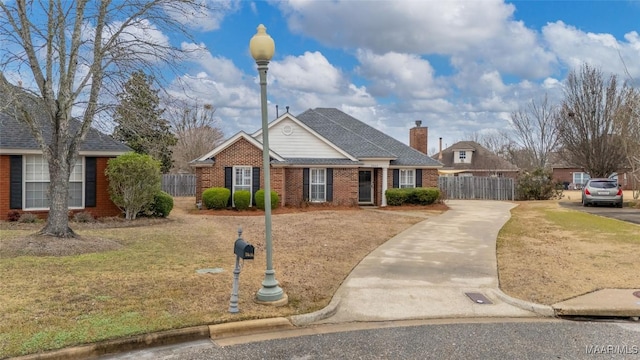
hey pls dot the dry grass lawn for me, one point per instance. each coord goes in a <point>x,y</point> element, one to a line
<point>547,253</point>
<point>148,281</point>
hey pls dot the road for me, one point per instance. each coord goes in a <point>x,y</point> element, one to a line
<point>624,214</point>
<point>443,339</point>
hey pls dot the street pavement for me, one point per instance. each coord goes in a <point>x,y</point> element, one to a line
<point>624,214</point>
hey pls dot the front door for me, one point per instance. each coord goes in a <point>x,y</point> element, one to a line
<point>365,187</point>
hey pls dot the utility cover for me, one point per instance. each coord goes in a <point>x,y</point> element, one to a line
<point>210,271</point>
<point>478,298</point>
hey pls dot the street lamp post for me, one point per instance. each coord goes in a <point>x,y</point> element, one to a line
<point>262,48</point>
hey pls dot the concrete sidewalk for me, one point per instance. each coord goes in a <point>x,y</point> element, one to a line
<point>425,271</point>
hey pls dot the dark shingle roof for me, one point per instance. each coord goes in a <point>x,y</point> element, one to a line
<point>14,134</point>
<point>361,140</point>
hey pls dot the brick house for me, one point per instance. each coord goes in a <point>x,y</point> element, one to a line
<point>468,158</point>
<point>320,156</point>
<point>24,173</point>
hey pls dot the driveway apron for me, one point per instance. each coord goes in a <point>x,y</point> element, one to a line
<point>425,271</point>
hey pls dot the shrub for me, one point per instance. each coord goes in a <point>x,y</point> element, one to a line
<point>13,215</point>
<point>28,218</point>
<point>275,199</point>
<point>396,197</point>
<point>83,217</point>
<point>423,196</point>
<point>417,196</point>
<point>242,199</point>
<point>216,198</point>
<point>537,185</point>
<point>162,204</point>
<point>134,180</point>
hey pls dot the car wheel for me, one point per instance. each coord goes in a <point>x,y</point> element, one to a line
<point>619,205</point>
<point>585,203</point>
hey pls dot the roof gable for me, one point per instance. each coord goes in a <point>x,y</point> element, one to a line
<point>230,141</point>
<point>291,138</point>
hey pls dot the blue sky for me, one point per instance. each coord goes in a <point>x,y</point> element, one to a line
<point>459,66</point>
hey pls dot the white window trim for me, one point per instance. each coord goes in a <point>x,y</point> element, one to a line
<point>24,184</point>
<point>405,184</point>
<point>311,184</point>
<point>233,183</point>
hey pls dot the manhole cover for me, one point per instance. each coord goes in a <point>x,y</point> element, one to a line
<point>636,294</point>
<point>478,298</point>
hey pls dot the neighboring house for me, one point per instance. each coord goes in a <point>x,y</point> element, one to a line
<point>320,156</point>
<point>574,177</point>
<point>468,158</point>
<point>24,173</point>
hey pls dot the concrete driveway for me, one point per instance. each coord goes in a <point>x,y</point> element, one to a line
<point>624,214</point>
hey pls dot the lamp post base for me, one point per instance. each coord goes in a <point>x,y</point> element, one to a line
<point>271,290</point>
<point>284,300</point>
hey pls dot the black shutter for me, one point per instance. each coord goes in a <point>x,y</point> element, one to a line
<point>90,182</point>
<point>228,182</point>
<point>329,185</point>
<point>396,178</point>
<point>305,184</point>
<point>15,182</point>
<point>418,177</point>
<point>255,184</point>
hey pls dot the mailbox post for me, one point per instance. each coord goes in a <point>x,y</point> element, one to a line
<point>244,251</point>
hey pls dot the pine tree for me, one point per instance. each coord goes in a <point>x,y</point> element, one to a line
<point>140,122</point>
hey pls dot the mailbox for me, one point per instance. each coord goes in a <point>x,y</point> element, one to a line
<point>243,250</point>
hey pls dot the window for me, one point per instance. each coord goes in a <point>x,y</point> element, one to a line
<point>317,185</point>
<point>36,183</point>
<point>580,178</point>
<point>407,178</point>
<point>241,178</point>
<point>462,155</point>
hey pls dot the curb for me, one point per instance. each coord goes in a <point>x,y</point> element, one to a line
<point>126,344</point>
<point>248,326</point>
<point>326,312</point>
<point>542,310</point>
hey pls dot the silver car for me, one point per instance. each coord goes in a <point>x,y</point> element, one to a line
<point>602,191</point>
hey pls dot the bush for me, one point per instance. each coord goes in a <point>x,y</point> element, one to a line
<point>396,197</point>
<point>83,217</point>
<point>242,199</point>
<point>416,196</point>
<point>13,215</point>
<point>275,199</point>
<point>216,198</point>
<point>162,204</point>
<point>134,180</point>
<point>537,185</point>
<point>28,218</point>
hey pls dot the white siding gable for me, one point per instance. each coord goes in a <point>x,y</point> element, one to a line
<point>290,140</point>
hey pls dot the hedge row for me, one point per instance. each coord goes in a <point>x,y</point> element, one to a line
<point>417,196</point>
<point>218,198</point>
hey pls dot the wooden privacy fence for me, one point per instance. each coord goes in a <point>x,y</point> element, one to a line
<point>477,188</point>
<point>179,184</point>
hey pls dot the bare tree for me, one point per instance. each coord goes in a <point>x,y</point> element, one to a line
<point>629,132</point>
<point>75,52</point>
<point>587,127</point>
<point>197,131</point>
<point>535,132</point>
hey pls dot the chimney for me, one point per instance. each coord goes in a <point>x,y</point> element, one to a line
<point>440,153</point>
<point>418,137</point>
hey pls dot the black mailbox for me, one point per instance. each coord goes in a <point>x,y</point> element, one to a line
<point>243,250</point>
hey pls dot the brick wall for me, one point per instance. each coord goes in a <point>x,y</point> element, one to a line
<point>345,187</point>
<point>429,178</point>
<point>104,205</point>
<point>240,153</point>
<point>418,138</point>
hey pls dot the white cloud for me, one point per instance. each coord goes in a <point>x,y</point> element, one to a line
<point>575,47</point>
<point>403,75</point>
<point>209,17</point>
<point>309,72</point>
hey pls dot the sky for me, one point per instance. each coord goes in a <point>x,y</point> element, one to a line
<point>461,67</point>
